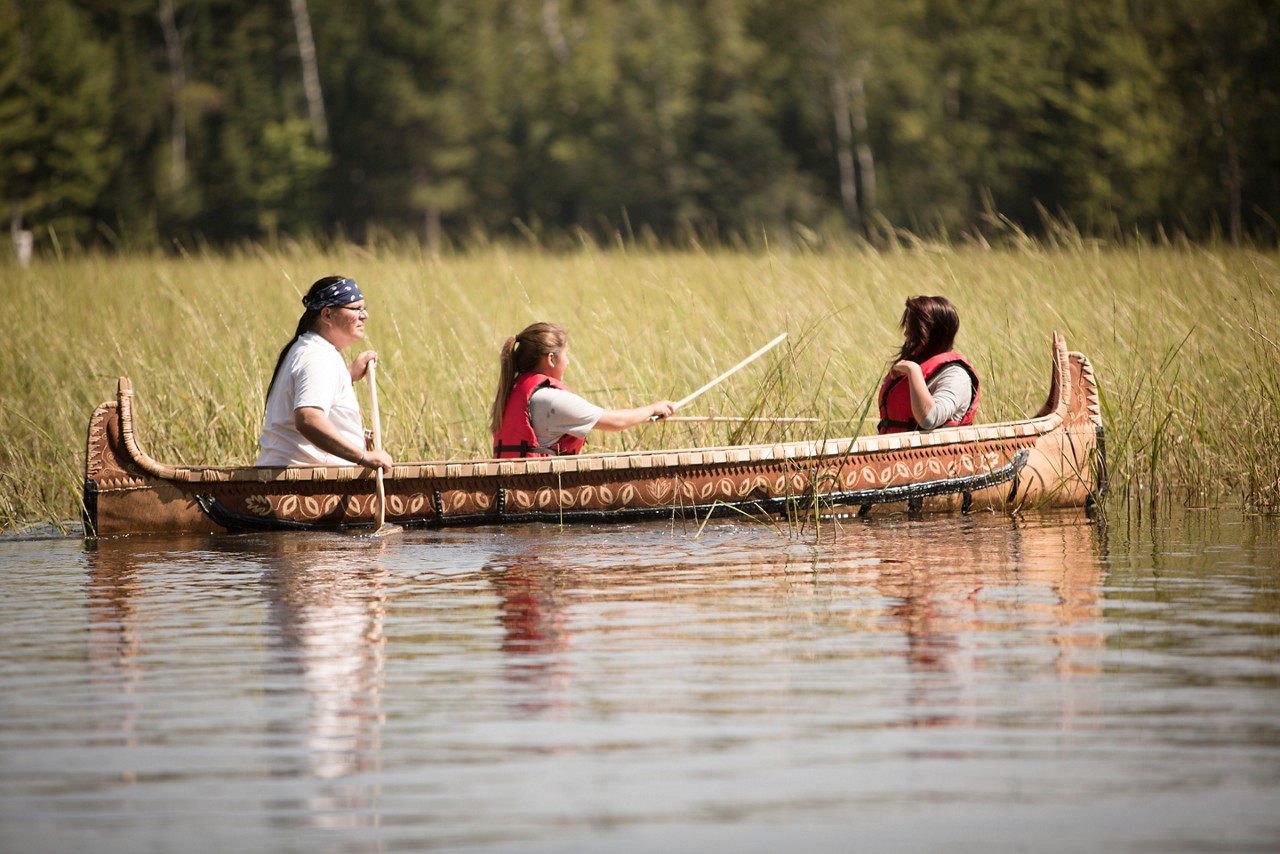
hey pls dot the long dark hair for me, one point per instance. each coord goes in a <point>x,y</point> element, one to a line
<point>306,323</point>
<point>929,327</point>
<point>520,354</point>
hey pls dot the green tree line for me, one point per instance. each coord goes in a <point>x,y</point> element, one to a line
<point>136,123</point>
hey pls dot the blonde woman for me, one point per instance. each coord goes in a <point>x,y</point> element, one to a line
<point>535,414</point>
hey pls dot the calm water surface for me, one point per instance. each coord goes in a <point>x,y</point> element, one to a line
<point>959,684</point>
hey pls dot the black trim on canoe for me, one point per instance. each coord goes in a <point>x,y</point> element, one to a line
<point>912,493</point>
<point>1094,498</point>
<point>1100,473</point>
<point>89,508</point>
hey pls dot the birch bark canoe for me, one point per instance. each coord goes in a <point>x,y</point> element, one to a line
<point>1054,459</point>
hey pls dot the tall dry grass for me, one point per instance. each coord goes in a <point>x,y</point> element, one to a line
<point>1184,341</point>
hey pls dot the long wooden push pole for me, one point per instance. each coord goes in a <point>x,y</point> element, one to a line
<point>383,528</point>
<point>756,355</point>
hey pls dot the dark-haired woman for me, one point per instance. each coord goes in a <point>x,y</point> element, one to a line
<point>535,414</point>
<point>313,416</point>
<point>930,385</point>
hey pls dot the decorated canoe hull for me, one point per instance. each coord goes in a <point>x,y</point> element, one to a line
<point>1055,459</point>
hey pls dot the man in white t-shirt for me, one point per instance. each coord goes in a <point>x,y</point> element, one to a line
<point>313,416</point>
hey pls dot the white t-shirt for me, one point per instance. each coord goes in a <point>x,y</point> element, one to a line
<point>312,374</point>
<point>554,412</point>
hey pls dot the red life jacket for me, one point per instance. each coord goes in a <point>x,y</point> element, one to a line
<point>517,438</point>
<point>895,396</point>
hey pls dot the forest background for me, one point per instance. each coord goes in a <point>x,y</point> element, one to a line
<point>137,124</point>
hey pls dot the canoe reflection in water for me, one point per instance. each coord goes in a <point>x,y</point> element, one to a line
<point>536,637</point>
<point>187,623</point>
<point>935,614</point>
<point>327,605</point>
<point>274,661</point>
<point>972,602</point>
<point>115,641</point>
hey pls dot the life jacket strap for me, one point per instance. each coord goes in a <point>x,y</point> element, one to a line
<point>524,449</point>
<point>886,424</point>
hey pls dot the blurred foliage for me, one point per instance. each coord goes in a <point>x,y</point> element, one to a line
<point>140,123</point>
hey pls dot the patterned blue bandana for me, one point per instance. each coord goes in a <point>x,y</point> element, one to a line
<point>339,293</point>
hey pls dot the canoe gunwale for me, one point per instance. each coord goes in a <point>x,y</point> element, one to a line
<point>639,461</point>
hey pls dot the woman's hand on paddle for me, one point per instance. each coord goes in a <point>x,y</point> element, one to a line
<point>613,420</point>
<point>360,364</point>
<point>378,460</point>
<point>661,409</point>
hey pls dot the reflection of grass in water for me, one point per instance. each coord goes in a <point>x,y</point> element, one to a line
<point>1183,341</point>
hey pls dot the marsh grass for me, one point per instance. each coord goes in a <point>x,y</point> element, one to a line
<point>1183,341</point>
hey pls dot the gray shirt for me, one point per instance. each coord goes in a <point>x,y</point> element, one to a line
<point>554,412</point>
<point>952,391</point>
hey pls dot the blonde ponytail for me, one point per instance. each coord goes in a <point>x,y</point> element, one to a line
<point>520,354</point>
<point>506,379</point>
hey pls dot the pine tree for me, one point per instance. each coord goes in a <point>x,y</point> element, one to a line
<point>55,86</point>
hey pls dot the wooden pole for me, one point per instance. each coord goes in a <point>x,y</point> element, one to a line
<point>756,355</point>
<point>728,419</point>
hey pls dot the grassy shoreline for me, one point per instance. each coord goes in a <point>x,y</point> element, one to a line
<point>1185,342</point>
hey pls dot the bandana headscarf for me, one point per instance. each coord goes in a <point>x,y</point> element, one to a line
<point>339,293</point>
